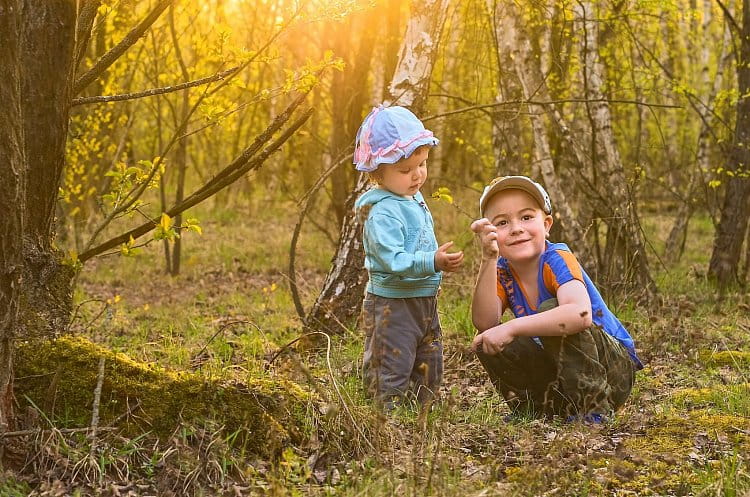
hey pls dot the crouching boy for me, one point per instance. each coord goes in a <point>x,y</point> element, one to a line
<point>565,353</point>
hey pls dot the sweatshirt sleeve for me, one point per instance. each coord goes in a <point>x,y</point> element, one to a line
<point>385,237</point>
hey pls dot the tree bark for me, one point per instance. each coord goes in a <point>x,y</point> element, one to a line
<point>36,45</point>
<point>728,241</point>
<point>506,130</point>
<point>529,73</point>
<point>339,301</point>
<point>48,31</point>
<point>625,254</point>
<point>12,198</point>
<point>411,78</point>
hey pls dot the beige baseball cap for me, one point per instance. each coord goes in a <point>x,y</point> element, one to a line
<point>524,183</point>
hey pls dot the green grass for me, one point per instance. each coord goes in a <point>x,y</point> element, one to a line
<point>685,429</point>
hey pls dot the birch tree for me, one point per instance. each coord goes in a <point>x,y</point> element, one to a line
<point>512,30</point>
<point>625,252</point>
<point>339,300</point>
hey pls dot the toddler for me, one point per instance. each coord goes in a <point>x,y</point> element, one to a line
<point>403,348</point>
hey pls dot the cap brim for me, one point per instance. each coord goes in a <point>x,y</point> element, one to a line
<point>512,183</point>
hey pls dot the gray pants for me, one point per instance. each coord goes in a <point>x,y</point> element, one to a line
<point>588,372</point>
<point>403,348</point>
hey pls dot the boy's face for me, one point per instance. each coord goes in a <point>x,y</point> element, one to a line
<point>406,176</point>
<point>522,225</point>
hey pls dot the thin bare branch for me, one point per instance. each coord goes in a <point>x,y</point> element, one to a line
<point>154,91</point>
<point>549,102</point>
<point>240,166</point>
<point>116,52</point>
<point>84,23</point>
<point>730,18</point>
<point>305,204</point>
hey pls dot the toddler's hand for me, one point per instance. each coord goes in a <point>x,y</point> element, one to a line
<point>488,236</point>
<point>448,262</point>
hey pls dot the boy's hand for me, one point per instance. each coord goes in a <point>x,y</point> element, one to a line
<point>488,236</point>
<point>494,340</point>
<point>448,262</point>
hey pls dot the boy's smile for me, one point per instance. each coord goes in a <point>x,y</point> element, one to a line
<point>520,223</point>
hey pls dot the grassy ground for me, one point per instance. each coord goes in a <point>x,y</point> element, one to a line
<point>685,430</point>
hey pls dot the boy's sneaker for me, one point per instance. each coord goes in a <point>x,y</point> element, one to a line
<point>593,418</point>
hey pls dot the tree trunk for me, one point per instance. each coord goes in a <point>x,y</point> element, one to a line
<point>46,87</point>
<point>529,72</point>
<point>12,198</point>
<point>506,130</point>
<point>173,262</point>
<point>729,236</point>
<point>411,79</point>
<point>625,254</point>
<point>675,245</point>
<point>348,93</point>
<point>341,297</point>
<point>730,232</point>
<point>341,34</point>
<point>36,44</point>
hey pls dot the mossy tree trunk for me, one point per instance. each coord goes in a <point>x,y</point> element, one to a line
<point>36,52</point>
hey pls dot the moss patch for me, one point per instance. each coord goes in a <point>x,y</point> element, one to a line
<point>667,456</point>
<point>734,358</point>
<point>60,376</point>
<point>728,399</point>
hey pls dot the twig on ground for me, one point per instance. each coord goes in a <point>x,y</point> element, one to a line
<point>95,408</point>
<point>330,375</point>
<point>219,331</point>
<point>21,433</point>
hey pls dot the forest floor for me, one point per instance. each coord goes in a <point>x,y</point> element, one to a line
<point>684,431</point>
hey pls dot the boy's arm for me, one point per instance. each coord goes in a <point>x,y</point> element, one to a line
<point>572,315</point>
<point>486,307</point>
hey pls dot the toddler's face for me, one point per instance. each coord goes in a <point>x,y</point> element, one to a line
<point>406,176</point>
<point>522,225</point>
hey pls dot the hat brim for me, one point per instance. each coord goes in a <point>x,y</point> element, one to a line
<point>396,154</point>
<point>514,183</point>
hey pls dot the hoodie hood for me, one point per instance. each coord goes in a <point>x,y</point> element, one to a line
<point>375,195</point>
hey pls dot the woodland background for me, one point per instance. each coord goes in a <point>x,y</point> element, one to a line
<point>180,268</point>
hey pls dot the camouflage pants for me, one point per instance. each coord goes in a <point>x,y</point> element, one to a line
<point>403,348</point>
<point>588,372</point>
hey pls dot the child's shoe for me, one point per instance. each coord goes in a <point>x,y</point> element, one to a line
<point>592,418</point>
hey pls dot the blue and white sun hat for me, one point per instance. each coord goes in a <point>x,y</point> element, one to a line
<point>387,135</point>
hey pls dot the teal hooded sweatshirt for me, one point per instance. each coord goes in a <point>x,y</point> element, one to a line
<point>400,245</point>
